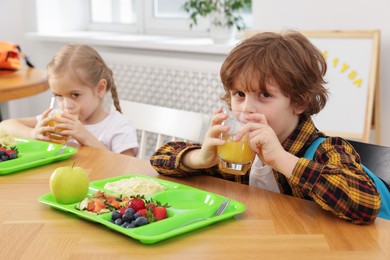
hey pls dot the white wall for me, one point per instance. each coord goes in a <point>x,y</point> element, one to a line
<point>17,18</point>
<point>334,15</point>
<point>268,15</point>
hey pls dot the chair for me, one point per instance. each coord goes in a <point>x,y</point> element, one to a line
<point>374,157</point>
<point>164,122</point>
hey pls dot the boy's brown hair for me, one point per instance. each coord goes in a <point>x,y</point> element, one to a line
<point>288,59</point>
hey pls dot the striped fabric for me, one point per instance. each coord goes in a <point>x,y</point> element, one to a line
<point>334,179</point>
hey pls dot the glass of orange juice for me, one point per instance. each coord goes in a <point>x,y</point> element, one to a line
<point>57,111</point>
<point>235,157</point>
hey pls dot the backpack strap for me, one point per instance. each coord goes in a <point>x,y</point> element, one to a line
<point>26,58</point>
<point>309,154</point>
<point>384,211</point>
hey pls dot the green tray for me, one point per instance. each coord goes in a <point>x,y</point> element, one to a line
<point>34,153</point>
<point>186,203</point>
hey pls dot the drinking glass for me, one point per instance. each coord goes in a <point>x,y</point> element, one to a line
<point>235,157</point>
<point>58,105</point>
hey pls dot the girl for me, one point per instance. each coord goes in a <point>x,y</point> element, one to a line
<point>80,78</point>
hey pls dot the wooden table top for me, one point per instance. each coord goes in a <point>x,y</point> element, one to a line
<point>274,226</point>
<point>22,83</point>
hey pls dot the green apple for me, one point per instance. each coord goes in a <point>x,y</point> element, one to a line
<point>69,184</point>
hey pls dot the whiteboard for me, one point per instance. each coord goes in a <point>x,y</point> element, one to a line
<point>353,63</point>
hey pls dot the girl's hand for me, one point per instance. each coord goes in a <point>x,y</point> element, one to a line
<point>38,132</point>
<point>74,128</point>
<point>206,157</point>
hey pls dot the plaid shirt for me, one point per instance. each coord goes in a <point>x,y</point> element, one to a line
<point>334,179</point>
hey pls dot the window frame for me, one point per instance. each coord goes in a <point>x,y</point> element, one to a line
<point>115,27</point>
<point>147,23</point>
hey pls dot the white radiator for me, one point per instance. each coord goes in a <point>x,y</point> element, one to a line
<point>178,83</point>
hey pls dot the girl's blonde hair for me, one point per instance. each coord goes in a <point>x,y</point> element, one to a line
<point>288,59</point>
<point>84,64</point>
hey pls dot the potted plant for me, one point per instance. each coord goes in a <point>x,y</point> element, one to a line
<point>224,16</point>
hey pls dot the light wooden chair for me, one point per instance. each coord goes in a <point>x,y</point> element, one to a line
<point>164,122</point>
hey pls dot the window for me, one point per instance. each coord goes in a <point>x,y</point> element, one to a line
<point>168,9</point>
<point>113,11</point>
<point>113,15</point>
<point>146,16</point>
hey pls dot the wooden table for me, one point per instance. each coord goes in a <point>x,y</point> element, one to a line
<point>273,226</point>
<point>22,83</point>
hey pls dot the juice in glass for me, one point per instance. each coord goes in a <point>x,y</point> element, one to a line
<point>55,135</point>
<point>235,157</point>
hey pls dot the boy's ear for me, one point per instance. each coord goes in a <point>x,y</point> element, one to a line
<point>102,87</point>
<point>299,109</point>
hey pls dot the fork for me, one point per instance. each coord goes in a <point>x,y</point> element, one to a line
<point>62,149</point>
<point>221,209</point>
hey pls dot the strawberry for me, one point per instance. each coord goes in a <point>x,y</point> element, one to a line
<point>122,211</point>
<point>160,213</point>
<point>150,205</point>
<point>142,212</point>
<point>136,204</point>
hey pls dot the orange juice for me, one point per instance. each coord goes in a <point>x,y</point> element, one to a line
<point>235,157</point>
<point>55,135</point>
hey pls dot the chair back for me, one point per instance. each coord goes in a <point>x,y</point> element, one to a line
<point>166,123</point>
<point>375,157</point>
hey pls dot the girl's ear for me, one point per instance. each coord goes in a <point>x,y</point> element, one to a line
<point>102,87</point>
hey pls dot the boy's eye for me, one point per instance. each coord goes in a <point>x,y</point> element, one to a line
<point>75,95</point>
<point>239,94</point>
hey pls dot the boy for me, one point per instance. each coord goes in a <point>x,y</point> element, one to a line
<point>278,79</point>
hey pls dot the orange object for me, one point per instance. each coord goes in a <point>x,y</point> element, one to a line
<point>10,57</point>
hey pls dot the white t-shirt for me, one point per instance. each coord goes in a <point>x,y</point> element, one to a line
<point>116,132</point>
<point>262,176</point>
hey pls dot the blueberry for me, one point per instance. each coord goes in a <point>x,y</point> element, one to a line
<point>118,221</point>
<point>125,224</point>
<point>2,153</point>
<point>4,158</point>
<point>127,217</point>
<point>140,221</point>
<point>12,156</point>
<point>137,215</point>
<point>115,215</point>
<point>131,225</point>
<point>129,211</point>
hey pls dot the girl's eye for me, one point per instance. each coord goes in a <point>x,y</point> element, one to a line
<point>265,94</point>
<point>75,95</point>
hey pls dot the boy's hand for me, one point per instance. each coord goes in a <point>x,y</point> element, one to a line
<point>262,139</point>
<point>206,157</point>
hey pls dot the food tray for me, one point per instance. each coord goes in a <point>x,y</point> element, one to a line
<point>186,203</point>
<point>34,153</point>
